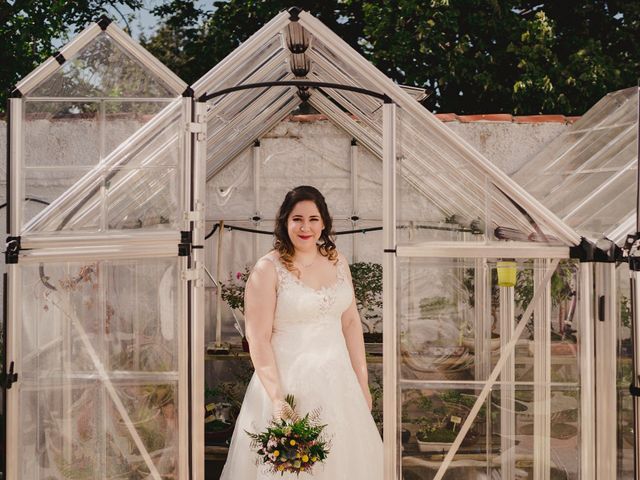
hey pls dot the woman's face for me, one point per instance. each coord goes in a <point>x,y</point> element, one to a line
<point>304,225</point>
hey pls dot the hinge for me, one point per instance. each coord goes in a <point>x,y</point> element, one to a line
<point>8,379</point>
<point>194,275</point>
<point>198,128</point>
<point>186,241</point>
<point>193,216</point>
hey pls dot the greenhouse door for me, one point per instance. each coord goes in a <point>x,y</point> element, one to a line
<point>103,275</point>
<point>483,370</point>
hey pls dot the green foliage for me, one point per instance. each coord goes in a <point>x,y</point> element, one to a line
<point>233,289</point>
<point>475,56</point>
<point>562,284</point>
<point>367,287</point>
<point>291,446</point>
<point>435,423</point>
<point>625,311</point>
<point>30,29</point>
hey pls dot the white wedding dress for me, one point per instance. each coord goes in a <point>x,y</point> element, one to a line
<point>314,366</point>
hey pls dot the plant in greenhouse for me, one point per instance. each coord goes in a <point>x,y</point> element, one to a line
<point>563,297</point>
<point>232,292</point>
<point>223,402</point>
<point>233,289</point>
<point>442,417</point>
<point>367,288</point>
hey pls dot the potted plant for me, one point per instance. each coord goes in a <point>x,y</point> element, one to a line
<point>442,416</point>
<point>367,288</point>
<point>233,295</point>
<point>223,402</point>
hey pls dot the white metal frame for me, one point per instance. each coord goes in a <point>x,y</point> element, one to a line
<point>587,372</point>
<point>605,335</point>
<point>507,386</point>
<point>389,293</point>
<point>197,177</point>
<point>542,376</point>
<point>38,248</point>
<point>49,67</point>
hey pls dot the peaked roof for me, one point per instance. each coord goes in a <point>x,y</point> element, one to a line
<point>101,61</point>
<point>434,160</point>
<point>105,66</point>
<point>587,176</point>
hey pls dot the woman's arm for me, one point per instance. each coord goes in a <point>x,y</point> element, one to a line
<point>352,331</point>
<point>259,311</point>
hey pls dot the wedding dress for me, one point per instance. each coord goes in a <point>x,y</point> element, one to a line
<point>314,366</point>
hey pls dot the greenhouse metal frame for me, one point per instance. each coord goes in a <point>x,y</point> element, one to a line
<point>188,137</point>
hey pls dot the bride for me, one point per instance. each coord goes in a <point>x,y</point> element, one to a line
<point>305,339</point>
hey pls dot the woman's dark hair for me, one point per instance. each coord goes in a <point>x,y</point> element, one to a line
<point>282,242</point>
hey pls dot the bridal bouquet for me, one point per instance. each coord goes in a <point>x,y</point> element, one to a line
<point>291,446</point>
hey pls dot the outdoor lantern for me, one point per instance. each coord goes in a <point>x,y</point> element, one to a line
<point>507,273</point>
<point>297,38</point>
<point>300,64</point>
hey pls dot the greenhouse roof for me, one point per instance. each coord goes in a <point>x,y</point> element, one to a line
<point>435,161</point>
<point>104,63</point>
<point>587,176</point>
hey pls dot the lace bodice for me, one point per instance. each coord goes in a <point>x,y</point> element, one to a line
<point>298,303</point>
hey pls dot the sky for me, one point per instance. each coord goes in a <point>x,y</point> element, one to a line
<point>144,21</point>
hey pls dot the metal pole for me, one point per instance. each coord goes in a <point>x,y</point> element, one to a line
<point>507,386</point>
<point>256,157</point>
<point>542,377</point>
<point>390,346</point>
<point>587,361</point>
<point>354,199</point>
<point>198,157</point>
<point>638,169</point>
<point>605,351</point>
<point>634,264</point>
<point>633,243</point>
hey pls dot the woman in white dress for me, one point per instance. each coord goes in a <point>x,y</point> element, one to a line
<point>305,339</point>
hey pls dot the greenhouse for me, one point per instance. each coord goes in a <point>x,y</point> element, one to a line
<point>138,205</point>
<point>588,177</point>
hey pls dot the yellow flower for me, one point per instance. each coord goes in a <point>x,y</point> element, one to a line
<point>276,453</point>
<point>305,458</point>
<point>292,443</point>
<point>297,455</point>
<point>313,459</point>
<point>280,467</point>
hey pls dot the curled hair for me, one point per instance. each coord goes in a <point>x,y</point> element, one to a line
<point>282,243</point>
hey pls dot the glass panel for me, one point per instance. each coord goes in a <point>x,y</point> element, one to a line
<point>431,420</point>
<point>99,359</point>
<point>137,186</point>
<point>270,49</point>
<point>102,69</point>
<point>230,194</point>
<point>585,172</point>
<point>48,184</point>
<point>59,438</point>
<point>153,412</point>
<point>438,323</point>
<point>456,316</point>
<point>143,198</point>
<point>80,133</point>
<point>328,169</point>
